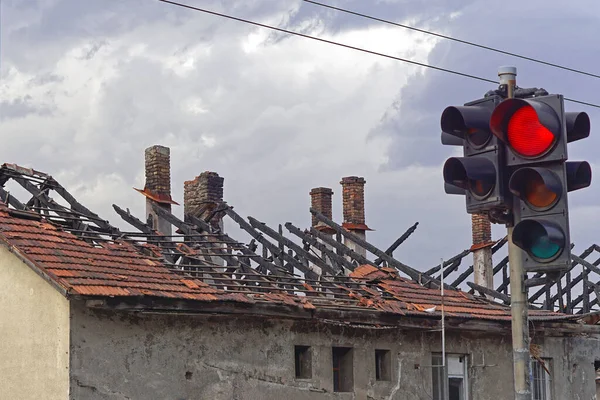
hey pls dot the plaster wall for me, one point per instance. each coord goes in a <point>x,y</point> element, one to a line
<point>34,334</point>
<point>154,356</point>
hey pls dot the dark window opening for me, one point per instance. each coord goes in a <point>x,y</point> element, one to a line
<point>303,360</point>
<point>449,378</point>
<point>343,375</point>
<point>383,365</point>
<point>455,389</point>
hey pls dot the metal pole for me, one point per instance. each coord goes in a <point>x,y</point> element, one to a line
<point>443,319</point>
<point>518,291</point>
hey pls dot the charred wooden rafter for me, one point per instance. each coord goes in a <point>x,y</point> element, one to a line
<point>390,250</point>
<point>312,241</point>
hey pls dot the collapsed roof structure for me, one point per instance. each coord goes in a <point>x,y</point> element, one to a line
<point>193,259</point>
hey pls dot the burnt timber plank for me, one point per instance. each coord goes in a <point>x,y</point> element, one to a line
<point>490,292</point>
<point>309,271</point>
<point>287,242</point>
<point>390,250</point>
<point>411,272</point>
<point>318,245</point>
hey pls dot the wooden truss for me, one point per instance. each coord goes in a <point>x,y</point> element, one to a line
<point>309,261</point>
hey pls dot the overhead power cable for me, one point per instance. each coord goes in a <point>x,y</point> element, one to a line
<point>326,41</point>
<point>345,45</point>
<point>453,39</point>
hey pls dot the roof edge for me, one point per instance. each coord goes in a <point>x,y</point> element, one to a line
<point>53,281</point>
<point>368,317</point>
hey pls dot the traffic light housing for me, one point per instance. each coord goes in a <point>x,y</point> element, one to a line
<point>536,132</point>
<point>479,173</point>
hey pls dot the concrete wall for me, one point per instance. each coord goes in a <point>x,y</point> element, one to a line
<point>34,334</point>
<point>191,357</point>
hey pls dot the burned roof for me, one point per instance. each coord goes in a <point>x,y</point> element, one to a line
<point>84,256</point>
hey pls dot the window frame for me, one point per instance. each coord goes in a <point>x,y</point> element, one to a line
<point>383,365</point>
<point>302,362</point>
<point>342,362</point>
<point>545,390</point>
<point>441,373</point>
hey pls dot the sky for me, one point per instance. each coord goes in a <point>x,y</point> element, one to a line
<point>86,86</point>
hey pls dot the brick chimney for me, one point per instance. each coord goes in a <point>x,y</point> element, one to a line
<point>483,269</point>
<point>201,197</point>
<point>320,200</point>
<point>353,203</point>
<point>157,188</point>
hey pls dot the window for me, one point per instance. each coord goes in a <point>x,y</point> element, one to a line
<point>450,382</point>
<point>303,361</point>
<point>343,376</point>
<point>597,367</point>
<point>383,365</point>
<point>541,379</point>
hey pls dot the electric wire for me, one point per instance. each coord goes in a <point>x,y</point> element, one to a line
<point>578,71</point>
<point>360,49</point>
<point>327,41</point>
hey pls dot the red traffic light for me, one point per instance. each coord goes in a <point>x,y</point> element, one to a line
<point>526,135</point>
<point>529,127</point>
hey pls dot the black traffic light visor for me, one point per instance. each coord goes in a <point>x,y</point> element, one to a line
<point>532,121</point>
<point>539,188</point>
<point>543,240</point>
<point>579,175</point>
<point>475,174</point>
<point>471,123</point>
<point>451,140</point>
<point>578,126</point>
<point>451,189</point>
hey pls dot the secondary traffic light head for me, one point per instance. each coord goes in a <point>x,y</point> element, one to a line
<point>470,123</point>
<point>477,175</point>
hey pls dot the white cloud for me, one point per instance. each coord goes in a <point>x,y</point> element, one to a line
<point>274,115</point>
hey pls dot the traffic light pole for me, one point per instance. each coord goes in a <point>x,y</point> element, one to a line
<point>520,331</point>
<point>518,291</point>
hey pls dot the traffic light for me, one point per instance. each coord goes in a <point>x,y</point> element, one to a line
<point>536,132</point>
<point>477,175</point>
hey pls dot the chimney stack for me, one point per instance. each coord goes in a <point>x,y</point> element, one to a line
<point>320,200</point>
<point>353,203</point>
<point>201,197</point>
<point>483,269</point>
<point>158,186</point>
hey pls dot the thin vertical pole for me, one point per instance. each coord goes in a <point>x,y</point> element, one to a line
<point>443,319</point>
<point>518,291</point>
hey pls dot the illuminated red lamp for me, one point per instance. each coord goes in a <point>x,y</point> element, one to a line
<point>530,128</point>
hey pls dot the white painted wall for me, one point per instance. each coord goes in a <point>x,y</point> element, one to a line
<point>34,334</point>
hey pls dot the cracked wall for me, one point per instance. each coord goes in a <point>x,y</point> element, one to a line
<point>192,357</point>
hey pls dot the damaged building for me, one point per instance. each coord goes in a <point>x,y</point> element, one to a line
<point>179,307</point>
